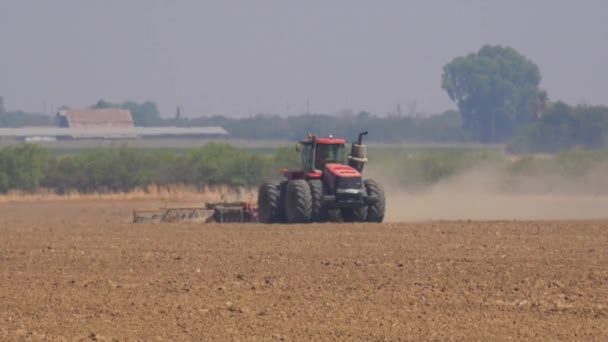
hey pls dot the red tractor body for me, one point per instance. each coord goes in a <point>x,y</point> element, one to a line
<point>329,187</point>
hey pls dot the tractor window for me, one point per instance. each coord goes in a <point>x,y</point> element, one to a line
<point>333,153</point>
<point>306,155</point>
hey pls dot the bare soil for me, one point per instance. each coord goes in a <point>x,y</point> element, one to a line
<point>79,270</point>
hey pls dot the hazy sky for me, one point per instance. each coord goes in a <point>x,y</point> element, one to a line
<point>241,57</point>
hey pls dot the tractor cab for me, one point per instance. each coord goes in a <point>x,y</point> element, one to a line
<point>317,152</point>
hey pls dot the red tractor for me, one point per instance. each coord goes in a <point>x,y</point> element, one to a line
<point>329,188</point>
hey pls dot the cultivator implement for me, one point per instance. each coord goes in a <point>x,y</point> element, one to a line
<point>219,212</point>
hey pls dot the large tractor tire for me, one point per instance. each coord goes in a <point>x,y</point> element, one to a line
<point>332,215</point>
<point>298,202</point>
<point>318,212</point>
<point>375,212</point>
<point>355,214</point>
<point>269,203</point>
<point>316,194</point>
<point>283,190</point>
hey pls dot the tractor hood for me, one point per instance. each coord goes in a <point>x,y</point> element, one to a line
<point>341,170</point>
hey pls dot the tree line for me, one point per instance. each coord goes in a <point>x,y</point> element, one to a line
<point>29,167</point>
<point>19,118</point>
<point>562,127</point>
<point>441,128</point>
<point>512,111</point>
<point>445,127</point>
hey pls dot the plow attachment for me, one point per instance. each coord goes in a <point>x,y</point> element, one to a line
<point>219,212</point>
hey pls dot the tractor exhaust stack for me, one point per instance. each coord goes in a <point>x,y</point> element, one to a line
<point>357,157</point>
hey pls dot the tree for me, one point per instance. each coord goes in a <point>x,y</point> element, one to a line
<point>2,108</point>
<point>563,127</point>
<point>145,114</point>
<point>103,104</point>
<point>496,90</point>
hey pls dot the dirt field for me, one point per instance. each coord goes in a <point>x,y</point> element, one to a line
<point>78,270</point>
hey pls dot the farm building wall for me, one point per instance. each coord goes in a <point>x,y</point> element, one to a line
<point>91,118</point>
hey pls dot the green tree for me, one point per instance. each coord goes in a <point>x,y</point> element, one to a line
<point>145,114</point>
<point>22,167</point>
<point>496,90</point>
<point>562,127</point>
<point>23,119</point>
<point>103,104</point>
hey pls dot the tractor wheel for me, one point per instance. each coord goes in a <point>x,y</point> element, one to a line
<point>355,214</point>
<point>375,212</point>
<point>298,201</point>
<point>269,205</point>
<point>282,189</point>
<point>333,215</point>
<point>316,193</point>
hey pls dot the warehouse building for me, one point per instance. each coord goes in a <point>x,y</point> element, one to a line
<point>91,118</point>
<point>104,124</point>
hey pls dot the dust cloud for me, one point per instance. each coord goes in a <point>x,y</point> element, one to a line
<point>490,195</point>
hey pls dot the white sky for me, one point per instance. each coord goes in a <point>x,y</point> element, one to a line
<point>241,57</point>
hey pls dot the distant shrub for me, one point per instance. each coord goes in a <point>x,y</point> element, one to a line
<point>22,167</point>
<point>121,169</point>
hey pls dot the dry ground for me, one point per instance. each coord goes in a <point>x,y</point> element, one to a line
<point>79,270</point>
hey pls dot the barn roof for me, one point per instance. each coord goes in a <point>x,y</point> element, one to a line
<point>97,117</point>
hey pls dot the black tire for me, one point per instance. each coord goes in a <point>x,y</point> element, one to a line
<point>332,215</point>
<point>316,194</point>
<point>282,189</point>
<point>269,205</point>
<point>298,202</point>
<point>355,214</point>
<point>375,212</point>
